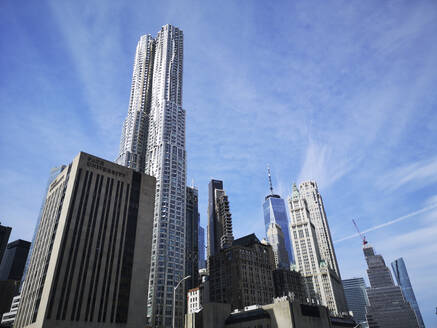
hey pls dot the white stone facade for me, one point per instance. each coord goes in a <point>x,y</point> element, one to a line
<point>321,281</point>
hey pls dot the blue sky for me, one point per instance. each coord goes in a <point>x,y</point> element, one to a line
<point>342,92</point>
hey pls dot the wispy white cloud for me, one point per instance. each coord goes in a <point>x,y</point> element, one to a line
<point>412,175</point>
<point>388,223</point>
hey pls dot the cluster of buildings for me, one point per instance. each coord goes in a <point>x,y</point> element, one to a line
<point>119,244</point>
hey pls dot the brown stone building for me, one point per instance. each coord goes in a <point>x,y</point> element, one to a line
<point>241,275</point>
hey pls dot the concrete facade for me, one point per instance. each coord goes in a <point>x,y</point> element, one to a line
<point>282,313</point>
<point>91,258</point>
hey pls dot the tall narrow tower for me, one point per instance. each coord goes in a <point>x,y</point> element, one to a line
<point>321,281</point>
<point>153,141</point>
<point>275,212</point>
<point>403,280</point>
<point>213,234</point>
<point>133,143</point>
<point>310,193</point>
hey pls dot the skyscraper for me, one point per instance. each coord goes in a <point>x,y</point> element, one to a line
<point>213,236</point>
<point>388,307</point>
<point>224,219</point>
<point>309,192</point>
<point>201,247</point>
<point>275,212</point>
<point>12,265</point>
<point>275,238</point>
<point>403,280</point>
<point>153,141</point>
<point>133,143</point>
<point>321,280</point>
<point>54,172</point>
<point>91,258</point>
<point>356,297</point>
<point>4,238</point>
<point>219,219</point>
<point>191,239</point>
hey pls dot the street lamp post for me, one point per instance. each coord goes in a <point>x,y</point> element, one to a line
<point>174,298</point>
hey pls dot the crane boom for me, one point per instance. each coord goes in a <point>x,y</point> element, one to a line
<point>363,238</point>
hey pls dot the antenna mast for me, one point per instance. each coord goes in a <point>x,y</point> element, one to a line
<point>363,238</point>
<point>270,180</point>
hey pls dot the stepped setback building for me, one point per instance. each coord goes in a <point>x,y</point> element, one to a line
<point>388,307</point>
<point>219,219</point>
<point>153,141</point>
<point>91,255</point>
<point>322,282</point>
<point>403,280</point>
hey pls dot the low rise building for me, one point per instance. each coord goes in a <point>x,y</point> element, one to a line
<point>283,312</point>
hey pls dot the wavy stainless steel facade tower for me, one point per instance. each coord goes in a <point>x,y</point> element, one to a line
<point>153,141</point>
<point>133,143</point>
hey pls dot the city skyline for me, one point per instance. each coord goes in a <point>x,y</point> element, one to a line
<point>351,84</point>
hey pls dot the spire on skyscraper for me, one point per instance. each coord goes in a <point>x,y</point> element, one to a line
<point>270,179</point>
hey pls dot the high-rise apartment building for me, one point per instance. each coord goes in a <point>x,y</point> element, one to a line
<point>134,136</point>
<point>219,219</point>
<point>310,192</point>
<point>224,219</point>
<point>321,280</point>
<point>4,238</point>
<point>241,275</point>
<point>153,141</point>
<point>14,260</point>
<point>403,280</point>
<point>213,234</point>
<point>388,307</point>
<point>356,297</point>
<point>275,238</point>
<point>201,247</point>
<point>275,211</point>
<point>91,256</point>
<point>191,239</point>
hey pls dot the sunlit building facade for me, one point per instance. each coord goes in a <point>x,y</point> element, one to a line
<point>153,141</point>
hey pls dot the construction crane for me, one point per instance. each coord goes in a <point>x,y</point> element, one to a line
<point>363,238</point>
